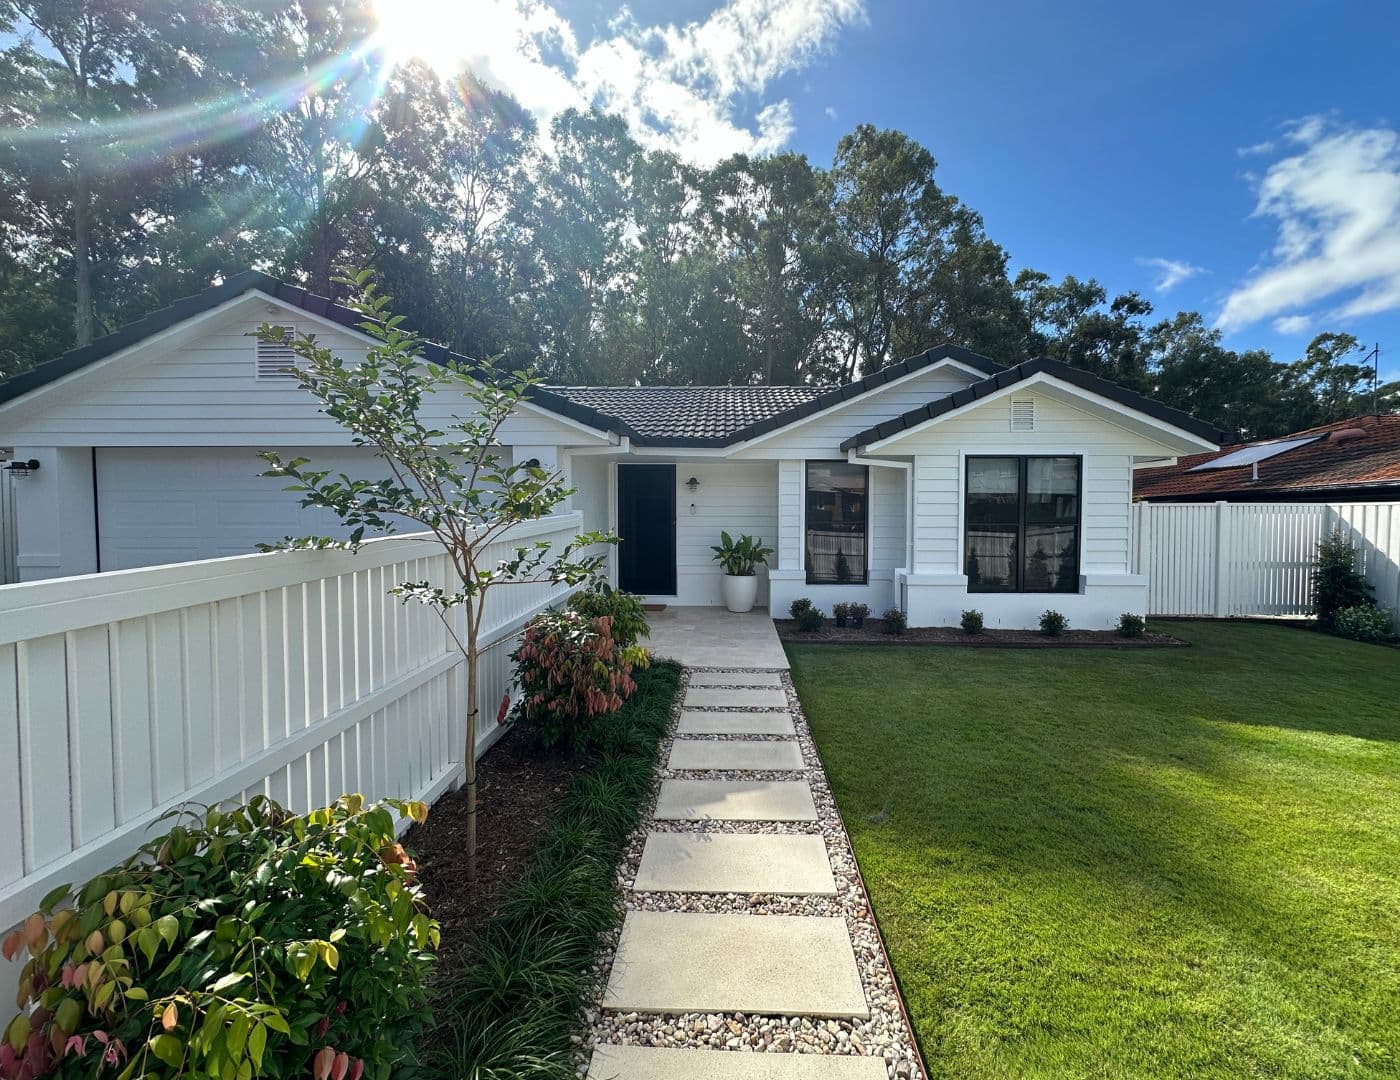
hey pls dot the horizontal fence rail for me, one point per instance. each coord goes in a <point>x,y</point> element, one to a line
<point>295,675</point>
<point>1225,560</point>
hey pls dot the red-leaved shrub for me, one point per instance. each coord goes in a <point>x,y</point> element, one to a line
<point>570,671</point>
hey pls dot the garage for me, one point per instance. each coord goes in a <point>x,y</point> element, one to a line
<point>164,505</point>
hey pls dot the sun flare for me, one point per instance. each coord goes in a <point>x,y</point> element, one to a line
<point>443,33</point>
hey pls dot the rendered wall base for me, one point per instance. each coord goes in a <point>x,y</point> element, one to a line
<point>940,600</point>
<point>785,586</point>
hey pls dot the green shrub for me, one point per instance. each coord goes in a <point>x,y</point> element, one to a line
<point>629,617</point>
<point>858,613</point>
<point>797,607</point>
<point>810,620</point>
<point>1336,583</point>
<point>1052,624</point>
<point>509,1010</point>
<point>571,671</point>
<point>242,942</point>
<point>1130,625</point>
<point>972,621</point>
<point>1364,622</point>
<point>840,612</point>
<point>894,621</point>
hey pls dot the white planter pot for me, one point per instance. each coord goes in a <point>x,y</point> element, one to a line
<point>740,592</point>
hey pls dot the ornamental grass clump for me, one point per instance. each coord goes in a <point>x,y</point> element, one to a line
<point>572,670</point>
<point>244,942</point>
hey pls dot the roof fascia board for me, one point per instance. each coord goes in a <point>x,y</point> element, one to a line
<point>835,407</point>
<point>1045,379</point>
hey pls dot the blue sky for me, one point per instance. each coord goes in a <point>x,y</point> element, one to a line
<point>1100,139</point>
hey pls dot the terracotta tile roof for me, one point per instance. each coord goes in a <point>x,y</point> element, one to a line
<point>1359,457</point>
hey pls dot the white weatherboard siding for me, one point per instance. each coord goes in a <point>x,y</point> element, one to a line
<point>937,590</point>
<point>204,391</point>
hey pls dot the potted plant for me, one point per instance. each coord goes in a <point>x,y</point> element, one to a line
<point>740,559</point>
<point>857,613</point>
<point>839,612</point>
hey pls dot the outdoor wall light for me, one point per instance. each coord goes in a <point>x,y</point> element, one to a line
<point>533,463</point>
<point>23,468</point>
<point>693,484</point>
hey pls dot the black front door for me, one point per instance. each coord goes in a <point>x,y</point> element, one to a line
<point>646,529</point>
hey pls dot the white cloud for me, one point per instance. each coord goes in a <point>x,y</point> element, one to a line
<point>702,88</point>
<point>1258,149</point>
<point>1292,324</point>
<point>830,111</point>
<point>1335,202</point>
<point>1171,272</point>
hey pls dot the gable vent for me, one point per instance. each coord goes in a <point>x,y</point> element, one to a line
<point>277,359</point>
<point>1023,415</point>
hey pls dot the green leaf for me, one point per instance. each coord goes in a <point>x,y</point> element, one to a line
<point>168,927</point>
<point>168,1049</point>
<point>148,941</point>
<point>257,1042</point>
<point>228,982</point>
<point>54,896</point>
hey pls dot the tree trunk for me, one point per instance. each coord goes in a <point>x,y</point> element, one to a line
<point>82,257</point>
<point>469,839</point>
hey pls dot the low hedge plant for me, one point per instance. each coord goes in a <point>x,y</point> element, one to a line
<point>509,1010</point>
<point>243,942</point>
<point>571,671</point>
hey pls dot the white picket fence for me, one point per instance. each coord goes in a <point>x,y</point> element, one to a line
<point>294,675</point>
<point>1249,559</point>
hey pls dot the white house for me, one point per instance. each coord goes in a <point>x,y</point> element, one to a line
<point>946,481</point>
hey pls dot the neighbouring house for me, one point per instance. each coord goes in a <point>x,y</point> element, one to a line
<point>1355,460</point>
<point>943,482</point>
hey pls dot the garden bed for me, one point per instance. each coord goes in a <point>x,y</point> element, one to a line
<point>873,633</point>
<point>517,790</point>
<point>508,999</point>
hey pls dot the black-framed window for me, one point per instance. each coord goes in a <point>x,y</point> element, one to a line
<point>838,516</point>
<point>1022,520</point>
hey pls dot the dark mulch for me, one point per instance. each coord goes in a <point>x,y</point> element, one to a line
<point>873,633</point>
<point>516,790</point>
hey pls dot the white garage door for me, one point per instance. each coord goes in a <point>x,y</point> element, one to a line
<point>163,505</point>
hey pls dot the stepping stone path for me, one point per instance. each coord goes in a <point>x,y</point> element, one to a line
<point>678,957</point>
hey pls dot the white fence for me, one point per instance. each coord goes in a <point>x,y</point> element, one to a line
<point>1238,559</point>
<point>294,674</point>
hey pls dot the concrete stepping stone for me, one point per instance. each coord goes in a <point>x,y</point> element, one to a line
<point>735,678</point>
<point>757,697</point>
<point>735,800</point>
<point>786,965</point>
<point>735,863</point>
<point>698,722</point>
<point>658,1063</point>
<point>735,754</point>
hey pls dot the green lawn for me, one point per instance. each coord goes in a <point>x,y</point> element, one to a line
<point>1164,863</point>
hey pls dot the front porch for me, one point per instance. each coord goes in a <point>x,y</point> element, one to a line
<point>711,637</point>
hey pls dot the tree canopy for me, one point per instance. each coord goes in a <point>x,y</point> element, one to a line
<point>149,148</point>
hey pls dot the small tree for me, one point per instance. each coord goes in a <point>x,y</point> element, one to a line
<point>1336,583</point>
<point>452,481</point>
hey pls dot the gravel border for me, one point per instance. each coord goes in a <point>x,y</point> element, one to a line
<point>887,1033</point>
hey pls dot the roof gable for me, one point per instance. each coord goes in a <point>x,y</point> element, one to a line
<point>1011,377</point>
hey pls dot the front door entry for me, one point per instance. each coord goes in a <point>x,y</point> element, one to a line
<point>646,529</point>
